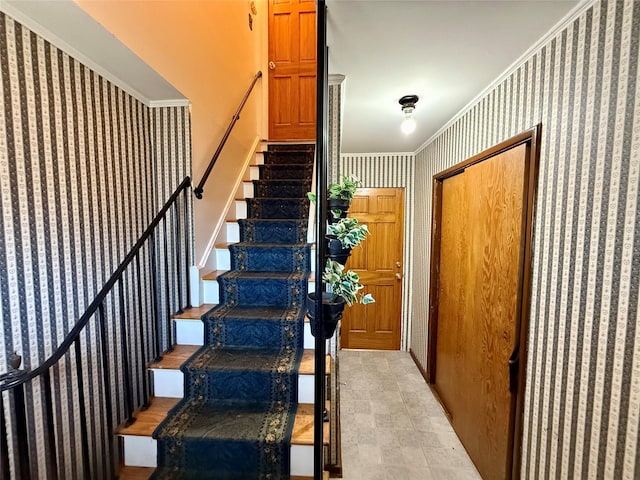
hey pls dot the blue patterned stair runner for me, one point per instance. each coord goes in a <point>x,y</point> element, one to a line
<point>236,417</point>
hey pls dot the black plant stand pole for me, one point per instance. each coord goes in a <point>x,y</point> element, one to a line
<point>321,220</point>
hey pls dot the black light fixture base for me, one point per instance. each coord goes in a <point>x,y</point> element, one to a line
<point>408,101</point>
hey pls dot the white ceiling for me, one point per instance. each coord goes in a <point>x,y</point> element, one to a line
<point>446,52</point>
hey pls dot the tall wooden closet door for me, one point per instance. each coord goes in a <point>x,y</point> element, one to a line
<point>480,280</point>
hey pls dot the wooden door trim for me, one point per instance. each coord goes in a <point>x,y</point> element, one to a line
<point>531,138</point>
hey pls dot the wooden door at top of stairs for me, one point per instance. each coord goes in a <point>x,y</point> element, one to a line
<point>292,70</point>
<point>378,261</point>
<point>479,283</point>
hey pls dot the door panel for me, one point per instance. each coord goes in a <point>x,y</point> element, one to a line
<point>482,223</point>
<point>292,57</point>
<point>452,296</point>
<point>377,260</point>
<point>307,39</point>
<point>307,110</point>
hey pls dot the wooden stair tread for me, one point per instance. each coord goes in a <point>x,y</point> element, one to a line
<point>181,353</point>
<point>325,476</point>
<point>173,360</point>
<point>303,426</point>
<point>143,473</point>
<point>226,245</point>
<point>194,313</point>
<point>137,473</point>
<point>216,273</point>
<point>213,275</point>
<point>147,420</point>
<point>308,364</point>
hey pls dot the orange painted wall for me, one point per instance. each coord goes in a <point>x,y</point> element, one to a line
<point>206,50</point>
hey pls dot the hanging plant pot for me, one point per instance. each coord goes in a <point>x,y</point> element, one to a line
<point>334,250</point>
<point>335,205</point>
<point>331,313</point>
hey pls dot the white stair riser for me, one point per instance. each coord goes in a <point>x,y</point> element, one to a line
<point>245,190</point>
<point>140,451</point>
<point>302,460</point>
<point>143,452</point>
<point>240,209</point>
<point>223,259</point>
<point>170,384</point>
<point>210,292</point>
<point>254,172</point>
<point>306,388</point>
<point>189,332</point>
<point>233,232</point>
<point>309,340</point>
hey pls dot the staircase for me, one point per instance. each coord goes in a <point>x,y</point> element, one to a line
<point>234,399</point>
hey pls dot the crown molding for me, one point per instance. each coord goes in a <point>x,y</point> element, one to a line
<point>335,79</point>
<point>180,102</point>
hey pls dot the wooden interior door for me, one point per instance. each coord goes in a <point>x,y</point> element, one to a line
<point>479,295</point>
<point>378,261</point>
<point>292,70</point>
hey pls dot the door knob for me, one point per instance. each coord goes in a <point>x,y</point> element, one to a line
<point>272,65</point>
<point>399,276</point>
<point>398,264</point>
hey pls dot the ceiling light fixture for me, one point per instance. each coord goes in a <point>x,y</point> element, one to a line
<point>408,103</point>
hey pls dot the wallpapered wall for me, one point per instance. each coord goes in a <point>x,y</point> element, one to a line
<point>582,403</point>
<point>397,171</point>
<point>84,167</point>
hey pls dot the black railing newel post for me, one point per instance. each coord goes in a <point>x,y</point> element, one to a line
<point>187,247</point>
<point>141,340</point>
<point>4,442</point>
<point>157,329</point>
<point>178,255</point>
<point>128,393</point>
<point>167,289</point>
<point>84,435</point>
<point>106,376</point>
<point>16,396</point>
<point>52,454</point>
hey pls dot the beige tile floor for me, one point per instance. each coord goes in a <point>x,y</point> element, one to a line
<point>392,426</point>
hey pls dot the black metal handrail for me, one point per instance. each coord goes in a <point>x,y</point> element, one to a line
<point>236,116</point>
<point>153,335</point>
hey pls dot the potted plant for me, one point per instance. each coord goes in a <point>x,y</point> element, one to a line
<point>344,235</point>
<point>339,196</point>
<point>344,289</point>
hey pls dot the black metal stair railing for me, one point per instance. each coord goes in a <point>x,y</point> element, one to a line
<point>126,326</point>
